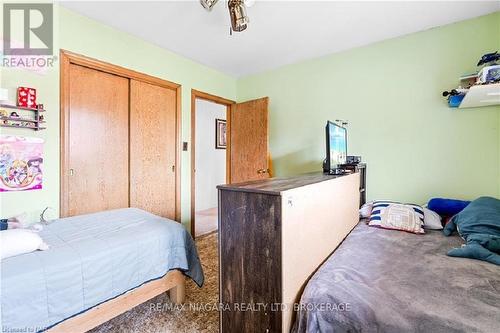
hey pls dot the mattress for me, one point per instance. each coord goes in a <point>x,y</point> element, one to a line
<point>391,281</point>
<point>92,258</point>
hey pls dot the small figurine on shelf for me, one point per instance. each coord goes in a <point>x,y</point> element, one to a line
<point>455,96</point>
<point>4,115</point>
<point>489,58</point>
<point>41,118</point>
<point>14,115</point>
<point>489,74</point>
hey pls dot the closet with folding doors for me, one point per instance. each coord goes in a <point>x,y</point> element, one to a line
<point>119,139</point>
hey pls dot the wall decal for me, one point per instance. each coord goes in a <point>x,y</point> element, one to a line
<point>21,163</point>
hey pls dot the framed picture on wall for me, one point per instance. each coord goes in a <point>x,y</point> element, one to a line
<point>220,134</point>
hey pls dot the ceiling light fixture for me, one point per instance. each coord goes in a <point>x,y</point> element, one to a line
<point>237,12</point>
<point>208,4</point>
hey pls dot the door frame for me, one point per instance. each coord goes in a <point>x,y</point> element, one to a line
<point>196,94</point>
<point>66,59</point>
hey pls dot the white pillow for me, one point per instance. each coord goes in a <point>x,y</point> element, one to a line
<point>432,220</point>
<point>366,210</point>
<point>19,241</point>
<point>397,216</point>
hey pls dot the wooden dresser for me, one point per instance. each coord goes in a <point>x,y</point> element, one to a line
<point>273,235</point>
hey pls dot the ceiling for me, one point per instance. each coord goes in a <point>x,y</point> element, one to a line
<point>280,32</point>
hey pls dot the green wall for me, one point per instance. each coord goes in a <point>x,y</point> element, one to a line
<point>415,146</point>
<point>82,35</point>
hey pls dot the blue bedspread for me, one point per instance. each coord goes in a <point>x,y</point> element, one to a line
<point>92,258</point>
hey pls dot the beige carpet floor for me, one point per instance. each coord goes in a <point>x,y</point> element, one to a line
<point>206,221</point>
<point>199,313</point>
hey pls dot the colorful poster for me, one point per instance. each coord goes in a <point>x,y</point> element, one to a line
<point>21,162</point>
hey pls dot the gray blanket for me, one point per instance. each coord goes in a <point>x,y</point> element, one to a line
<point>391,281</point>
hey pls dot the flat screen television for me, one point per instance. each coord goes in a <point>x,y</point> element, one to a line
<point>336,148</point>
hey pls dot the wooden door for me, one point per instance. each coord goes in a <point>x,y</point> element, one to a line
<point>249,141</point>
<point>97,174</point>
<point>153,148</point>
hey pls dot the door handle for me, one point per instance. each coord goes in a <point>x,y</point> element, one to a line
<point>262,171</point>
<point>71,172</point>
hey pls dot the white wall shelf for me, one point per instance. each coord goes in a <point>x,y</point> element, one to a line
<point>481,95</point>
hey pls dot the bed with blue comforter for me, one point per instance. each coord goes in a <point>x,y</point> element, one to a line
<point>92,258</point>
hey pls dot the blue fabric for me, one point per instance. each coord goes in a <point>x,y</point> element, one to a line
<point>4,225</point>
<point>479,225</point>
<point>447,207</point>
<point>92,258</point>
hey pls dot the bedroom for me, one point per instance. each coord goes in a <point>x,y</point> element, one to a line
<point>380,66</point>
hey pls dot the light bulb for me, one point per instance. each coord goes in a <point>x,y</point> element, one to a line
<point>208,4</point>
<point>238,15</point>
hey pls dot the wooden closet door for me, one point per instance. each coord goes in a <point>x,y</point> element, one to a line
<point>152,148</point>
<point>98,175</point>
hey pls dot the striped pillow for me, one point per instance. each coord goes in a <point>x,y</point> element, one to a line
<point>397,216</point>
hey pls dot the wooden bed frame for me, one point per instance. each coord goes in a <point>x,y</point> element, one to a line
<point>173,281</point>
